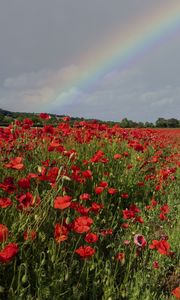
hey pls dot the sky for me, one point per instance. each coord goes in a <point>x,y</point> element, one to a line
<point>48,47</point>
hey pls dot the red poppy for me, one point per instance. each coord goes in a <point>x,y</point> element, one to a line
<point>162,217</point>
<point>162,246</point>
<point>3,233</point>
<point>112,191</point>
<point>153,202</point>
<point>5,202</point>
<point>120,256</point>
<point>62,202</point>
<point>124,196</point>
<point>124,225</point>
<point>155,264</point>
<point>165,208</point>
<point>117,156</point>
<point>140,241</point>
<point>87,174</point>
<point>29,235</point>
<point>24,183</point>
<point>104,184</point>
<point>105,232</point>
<point>176,292</point>
<point>25,201</point>
<point>85,196</point>
<point>85,251</point>
<point>8,252</point>
<point>139,219</point>
<point>66,119</point>
<point>95,207</point>
<point>44,116</point>
<point>91,237</point>
<point>98,156</point>
<point>15,163</point>
<point>98,190</point>
<point>82,224</point>
<point>60,233</point>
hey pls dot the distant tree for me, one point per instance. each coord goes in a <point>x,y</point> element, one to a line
<point>173,123</point>
<point>1,118</point>
<point>149,125</point>
<point>140,125</point>
<point>125,123</point>
<point>161,122</point>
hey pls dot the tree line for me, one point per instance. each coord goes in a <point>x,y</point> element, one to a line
<point>7,117</point>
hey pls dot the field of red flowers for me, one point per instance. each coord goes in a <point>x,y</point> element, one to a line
<point>89,212</point>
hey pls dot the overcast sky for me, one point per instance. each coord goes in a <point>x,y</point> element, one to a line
<point>41,46</point>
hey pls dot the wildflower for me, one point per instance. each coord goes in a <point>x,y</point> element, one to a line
<point>91,237</point>
<point>8,252</point>
<point>24,183</point>
<point>85,251</point>
<point>176,292</point>
<point>44,116</point>
<point>162,246</point>
<point>120,256</point>
<point>5,202</point>
<point>140,241</point>
<point>15,163</point>
<point>85,196</point>
<point>117,156</point>
<point>62,202</point>
<point>60,233</point>
<point>98,190</point>
<point>112,191</point>
<point>82,224</point>
<point>155,264</point>
<point>3,233</point>
<point>30,235</point>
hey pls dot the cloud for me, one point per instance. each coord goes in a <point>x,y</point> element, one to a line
<point>33,91</point>
<point>117,95</point>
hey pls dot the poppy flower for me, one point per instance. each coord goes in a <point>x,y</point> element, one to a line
<point>165,208</point>
<point>85,251</point>
<point>95,207</point>
<point>30,235</point>
<point>162,246</point>
<point>91,237</point>
<point>25,200</point>
<point>8,252</point>
<point>44,116</point>
<point>15,163</point>
<point>124,196</point>
<point>66,119</point>
<point>117,156</point>
<point>82,224</point>
<point>24,183</point>
<point>84,196</point>
<point>124,225</point>
<point>140,241</point>
<point>103,184</point>
<point>62,202</point>
<point>112,191</point>
<point>3,233</point>
<point>176,292</point>
<point>60,233</point>
<point>98,190</point>
<point>5,202</point>
<point>155,264</point>
<point>120,256</point>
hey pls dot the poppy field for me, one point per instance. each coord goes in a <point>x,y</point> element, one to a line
<point>89,211</point>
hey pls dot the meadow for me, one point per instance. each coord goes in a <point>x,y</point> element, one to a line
<point>89,212</point>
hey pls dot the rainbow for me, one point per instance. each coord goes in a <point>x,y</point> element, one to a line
<point>121,49</point>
